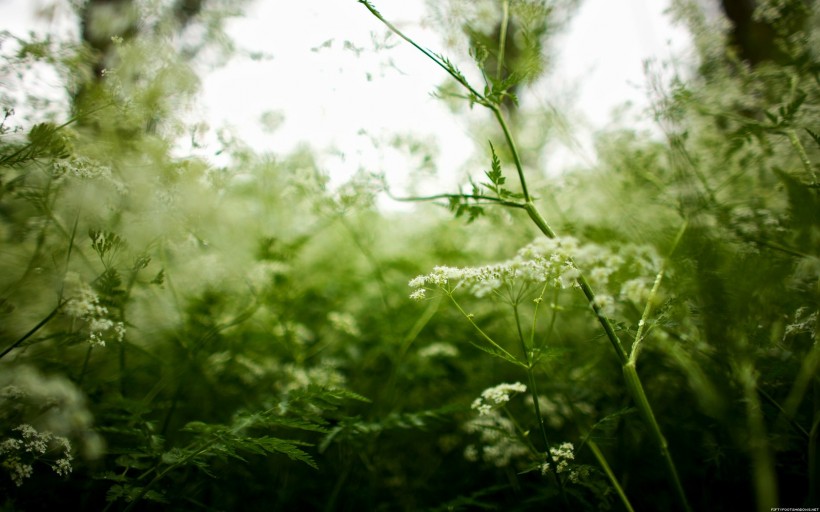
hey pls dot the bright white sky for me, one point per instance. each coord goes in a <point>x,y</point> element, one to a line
<point>326,97</point>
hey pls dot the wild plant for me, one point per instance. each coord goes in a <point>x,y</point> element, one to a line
<point>181,334</point>
<point>125,334</point>
<point>534,279</point>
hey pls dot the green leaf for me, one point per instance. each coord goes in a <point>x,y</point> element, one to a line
<point>494,174</point>
<point>814,135</point>
<point>803,201</point>
<point>286,447</point>
<point>105,242</point>
<point>497,353</point>
<point>789,110</point>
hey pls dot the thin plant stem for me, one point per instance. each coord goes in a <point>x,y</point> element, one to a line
<point>635,387</point>
<point>502,38</point>
<point>632,379</point>
<point>449,69</point>
<point>796,426</point>
<point>763,472</point>
<point>407,341</point>
<point>85,365</point>
<point>523,435</point>
<point>33,330</point>
<point>639,335</point>
<point>805,375</point>
<point>537,407</point>
<point>814,476</point>
<point>516,157</point>
<point>801,152</point>
<point>538,302</point>
<point>162,474</point>
<point>593,447</point>
<point>553,318</point>
<point>507,356</point>
<point>524,347</point>
<point>543,430</point>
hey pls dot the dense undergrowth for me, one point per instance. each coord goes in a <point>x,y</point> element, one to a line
<point>637,334</point>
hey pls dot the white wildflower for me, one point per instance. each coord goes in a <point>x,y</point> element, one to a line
<point>562,455</point>
<point>438,349</point>
<point>605,303</point>
<point>495,396</point>
<point>636,290</point>
<point>83,304</point>
<point>471,453</point>
<point>418,295</point>
<point>18,453</point>
<point>501,393</point>
<point>81,167</point>
<point>500,444</point>
<point>344,322</point>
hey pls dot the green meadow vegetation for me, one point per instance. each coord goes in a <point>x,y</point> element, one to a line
<point>639,333</point>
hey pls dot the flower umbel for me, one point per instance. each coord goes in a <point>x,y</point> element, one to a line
<point>19,451</point>
<point>495,396</point>
<point>83,304</point>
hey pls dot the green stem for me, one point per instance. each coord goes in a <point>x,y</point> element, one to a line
<point>614,481</point>
<point>639,336</point>
<point>524,347</point>
<point>630,374</point>
<point>633,384</point>
<point>474,197</point>
<point>523,435</point>
<point>408,340</point>
<point>814,476</point>
<point>516,157</point>
<point>85,365</point>
<point>553,317</point>
<point>537,407</point>
<point>538,302</point>
<point>509,357</point>
<point>763,472</point>
<point>159,476</point>
<point>774,403</point>
<point>801,152</point>
<point>33,330</point>
<point>502,38</point>
<point>543,430</point>
<point>457,76</point>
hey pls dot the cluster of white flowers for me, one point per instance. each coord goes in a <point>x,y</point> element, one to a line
<point>324,374</point>
<point>606,303</point>
<point>19,451</point>
<point>293,332</point>
<point>562,455</point>
<point>499,444</point>
<point>636,290</point>
<point>553,262</point>
<point>532,265</point>
<point>495,396</point>
<point>805,321</point>
<point>344,322</point>
<point>769,11</point>
<point>438,349</point>
<point>83,304</point>
<point>52,403</point>
<point>81,167</point>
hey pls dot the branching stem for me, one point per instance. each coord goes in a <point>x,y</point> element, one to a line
<point>633,382</point>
